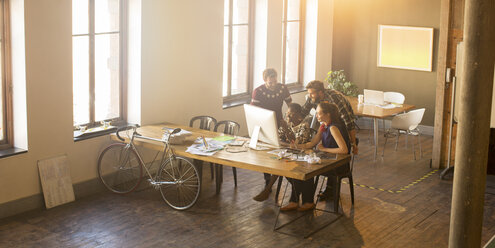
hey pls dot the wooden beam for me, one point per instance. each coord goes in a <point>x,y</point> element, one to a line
<point>440,89</point>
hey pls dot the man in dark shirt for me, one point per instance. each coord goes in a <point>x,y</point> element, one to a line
<point>318,93</point>
<point>271,96</point>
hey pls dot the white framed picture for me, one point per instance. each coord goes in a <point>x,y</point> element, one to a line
<point>404,47</point>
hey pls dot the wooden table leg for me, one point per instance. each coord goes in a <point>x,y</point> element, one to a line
<point>375,133</point>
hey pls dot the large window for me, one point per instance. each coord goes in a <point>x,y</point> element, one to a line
<point>237,45</point>
<point>6,131</point>
<point>292,41</point>
<point>97,60</point>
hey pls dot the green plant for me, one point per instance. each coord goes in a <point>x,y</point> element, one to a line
<point>337,81</point>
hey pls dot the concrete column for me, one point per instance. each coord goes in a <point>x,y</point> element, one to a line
<point>474,124</point>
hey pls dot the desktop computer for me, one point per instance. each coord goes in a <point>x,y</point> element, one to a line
<point>262,125</point>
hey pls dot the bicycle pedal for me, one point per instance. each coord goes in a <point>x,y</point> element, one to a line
<point>154,184</point>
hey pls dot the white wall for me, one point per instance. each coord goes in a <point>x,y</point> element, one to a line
<point>180,80</point>
<point>181,76</point>
<point>49,103</point>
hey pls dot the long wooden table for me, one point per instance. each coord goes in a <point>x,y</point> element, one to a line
<point>376,113</point>
<point>255,160</point>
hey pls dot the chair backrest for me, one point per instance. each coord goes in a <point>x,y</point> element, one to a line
<point>394,97</point>
<point>409,120</point>
<point>205,122</point>
<point>230,127</point>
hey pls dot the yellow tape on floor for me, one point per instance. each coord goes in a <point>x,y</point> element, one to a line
<point>401,189</point>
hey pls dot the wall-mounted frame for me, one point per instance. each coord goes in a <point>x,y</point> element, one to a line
<point>405,47</point>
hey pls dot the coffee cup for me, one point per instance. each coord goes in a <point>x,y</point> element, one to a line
<point>360,99</point>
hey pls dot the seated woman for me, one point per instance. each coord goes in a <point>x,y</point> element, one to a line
<point>296,131</point>
<point>334,139</point>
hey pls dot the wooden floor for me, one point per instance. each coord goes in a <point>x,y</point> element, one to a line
<point>416,216</point>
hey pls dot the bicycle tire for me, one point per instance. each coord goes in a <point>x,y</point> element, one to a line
<point>119,168</point>
<point>179,182</point>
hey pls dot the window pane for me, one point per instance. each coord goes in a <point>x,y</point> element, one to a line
<point>107,77</point>
<point>80,14</point>
<point>80,80</point>
<point>225,60</point>
<point>292,53</point>
<point>241,12</point>
<point>226,14</point>
<point>106,16</point>
<point>239,59</point>
<point>293,7</point>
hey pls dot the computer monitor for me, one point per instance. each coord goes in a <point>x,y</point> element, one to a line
<point>373,97</point>
<point>262,125</point>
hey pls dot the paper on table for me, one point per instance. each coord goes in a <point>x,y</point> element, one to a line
<point>385,106</point>
<point>181,133</point>
<point>200,149</point>
<point>223,138</point>
<point>388,106</point>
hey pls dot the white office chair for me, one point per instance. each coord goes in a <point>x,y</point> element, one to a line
<point>408,124</point>
<point>394,97</point>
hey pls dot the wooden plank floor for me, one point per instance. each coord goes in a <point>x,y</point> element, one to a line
<point>416,217</point>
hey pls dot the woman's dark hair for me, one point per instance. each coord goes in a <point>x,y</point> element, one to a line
<point>296,108</point>
<point>333,110</point>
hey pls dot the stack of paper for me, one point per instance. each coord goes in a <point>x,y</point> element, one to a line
<point>177,138</point>
<point>200,149</point>
<point>209,146</point>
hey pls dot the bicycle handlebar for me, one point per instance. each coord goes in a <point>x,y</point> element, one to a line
<point>126,128</point>
<point>136,133</point>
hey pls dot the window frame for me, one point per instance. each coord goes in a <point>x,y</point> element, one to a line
<point>122,32</point>
<point>301,20</point>
<point>7,111</point>
<point>246,95</point>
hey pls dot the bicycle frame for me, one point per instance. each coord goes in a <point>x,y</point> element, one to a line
<point>167,154</point>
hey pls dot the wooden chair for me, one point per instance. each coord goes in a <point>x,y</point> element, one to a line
<point>230,128</point>
<point>205,123</point>
<point>347,174</point>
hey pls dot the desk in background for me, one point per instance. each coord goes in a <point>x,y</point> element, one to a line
<point>376,113</point>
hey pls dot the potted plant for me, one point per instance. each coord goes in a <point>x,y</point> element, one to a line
<point>337,81</point>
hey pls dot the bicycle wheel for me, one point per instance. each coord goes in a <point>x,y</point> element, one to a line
<point>119,168</point>
<point>179,183</point>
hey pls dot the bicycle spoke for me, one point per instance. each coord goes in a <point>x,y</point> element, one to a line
<point>168,173</point>
<point>187,179</point>
<point>183,174</point>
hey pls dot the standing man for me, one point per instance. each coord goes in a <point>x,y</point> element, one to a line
<point>318,93</point>
<point>271,96</point>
